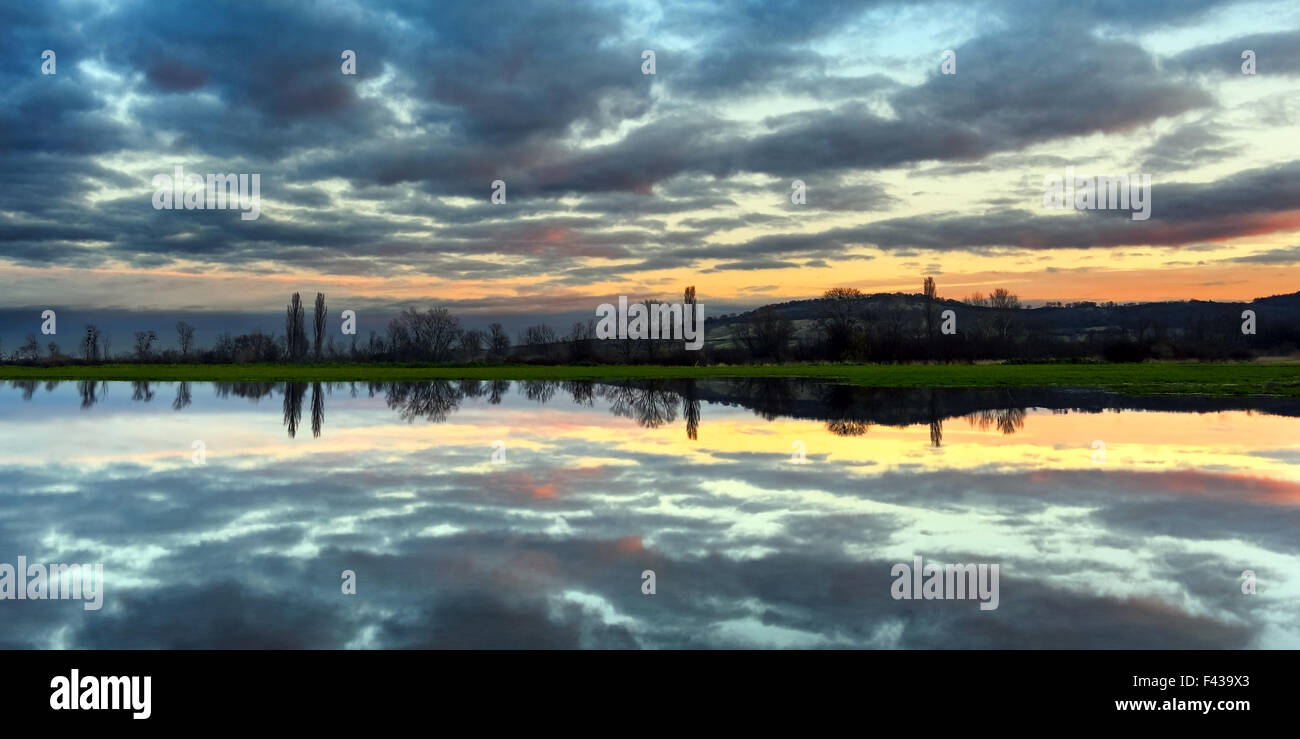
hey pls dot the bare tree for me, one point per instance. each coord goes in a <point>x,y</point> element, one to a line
<point>1004,299</point>
<point>539,334</point>
<point>893,329</point>
<point>1005,304</point>
<point>90,343</point>
<point>841,322</point>
<point>651,345</point>
<point>766,333</point>
<point>471,343</point>
<point>427,335</point>
<point>318,324</point>
<point>184,337</point>
<point>581,338</point>
<point>498,342</point>
<point>542,336</point>
<point>144,343</point>
<point>31,349</point>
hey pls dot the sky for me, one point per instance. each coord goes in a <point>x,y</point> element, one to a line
<point>376,187</point>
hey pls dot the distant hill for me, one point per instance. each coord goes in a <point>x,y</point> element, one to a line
<point>1277,318</point>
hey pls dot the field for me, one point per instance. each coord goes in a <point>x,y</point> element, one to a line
<point>1208,378</point>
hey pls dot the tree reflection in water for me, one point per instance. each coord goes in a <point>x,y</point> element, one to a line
<point>846,410</point>
<point>293,392</point>
<point>183,397</point>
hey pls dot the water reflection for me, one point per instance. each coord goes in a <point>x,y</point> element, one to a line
<point>293,393</point>
<point>689,478</point>
<point>87,390</point>
<point>317,410</point>
<point>846,410</point>
<point>183,397</point>
<point>1006,420</point>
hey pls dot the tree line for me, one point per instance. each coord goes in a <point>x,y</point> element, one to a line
<point>847,325</point>
<point>844,325</point>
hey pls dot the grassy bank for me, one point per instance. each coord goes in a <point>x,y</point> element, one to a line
<point>1209,378</point>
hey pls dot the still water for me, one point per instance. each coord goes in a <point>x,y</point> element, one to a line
<point>527,514</point>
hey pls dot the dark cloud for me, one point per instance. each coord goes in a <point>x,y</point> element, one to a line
<point>1285,255</point>
<point>1276,53</point>
<point>550,99</point>
<point>1242,204</point>
<point>1189,146</point>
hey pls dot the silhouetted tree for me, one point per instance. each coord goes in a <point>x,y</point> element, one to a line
<point>1005,303</point>
<point>90,343</point>
<point>766,333</point>
<point>931,292</point>
<point>318,324</point>
<point>498,342</point>
<point>428,335</point>
<point>580,339</point>
<point>144,343</point>
<point>30,350</point>
<point>184,337</point>
<point>840,322</point>
<point>254,347</point>
<point>542,336</point>
<point>688,314</point>
<point>295,335</point>
<point>471,343</point>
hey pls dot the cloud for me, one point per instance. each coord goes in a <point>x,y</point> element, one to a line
<point>610,173</point>
<point>1276,53</point>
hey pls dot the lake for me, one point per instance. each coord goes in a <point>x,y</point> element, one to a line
<point>762,514</point>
